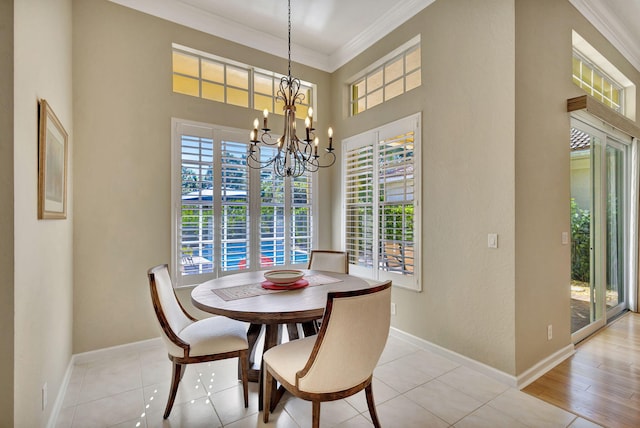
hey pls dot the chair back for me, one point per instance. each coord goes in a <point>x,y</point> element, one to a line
<point>329,260</point>
<point>351,339</point>
<point>170,313</point>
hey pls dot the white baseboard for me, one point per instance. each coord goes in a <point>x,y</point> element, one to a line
<point>518,382</point>
<point>115,351</point>
<point>57,405</point>
<point>543,366</point>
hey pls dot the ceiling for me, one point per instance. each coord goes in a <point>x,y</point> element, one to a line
<point>327,33</point>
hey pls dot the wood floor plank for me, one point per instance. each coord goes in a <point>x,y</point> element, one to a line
<point>601,381</point>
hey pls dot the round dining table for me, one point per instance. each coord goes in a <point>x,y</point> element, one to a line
<point>241,296</point>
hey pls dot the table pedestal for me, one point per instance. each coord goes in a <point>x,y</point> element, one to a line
<point>272,337</point>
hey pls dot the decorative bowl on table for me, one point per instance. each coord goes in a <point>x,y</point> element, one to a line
<point>283,277</point>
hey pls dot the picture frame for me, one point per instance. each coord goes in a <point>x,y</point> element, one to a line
<point>52,165</point>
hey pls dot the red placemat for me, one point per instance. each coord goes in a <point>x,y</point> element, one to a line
<point>298,284</point>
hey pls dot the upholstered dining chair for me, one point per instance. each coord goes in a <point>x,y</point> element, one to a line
<point>330,260</point>
<point>340,360</point>
<point>191,341</point>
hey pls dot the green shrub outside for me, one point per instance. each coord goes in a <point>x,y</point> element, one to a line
<point>580,243</point>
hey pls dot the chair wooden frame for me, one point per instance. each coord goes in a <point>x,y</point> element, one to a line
<point>346,258</point>
<point>179,363</point>
<point>272,394</point>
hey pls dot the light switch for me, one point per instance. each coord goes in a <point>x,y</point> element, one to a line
<point>492,241</point>
<point>565,238</point>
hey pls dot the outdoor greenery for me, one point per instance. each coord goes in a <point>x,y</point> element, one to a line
<point>580,243</point>
<point>396,222</point>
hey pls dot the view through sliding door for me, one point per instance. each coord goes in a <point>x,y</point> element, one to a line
<point>599,227</point>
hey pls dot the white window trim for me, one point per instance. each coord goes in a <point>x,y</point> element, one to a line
<point>380,63</point>
<point>413,122</point>
<point>213,131</point>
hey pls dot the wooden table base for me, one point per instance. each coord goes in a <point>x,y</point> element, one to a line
<point>272,337</point>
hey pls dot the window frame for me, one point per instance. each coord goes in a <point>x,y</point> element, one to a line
<point>380,66</point>
<point>590,88</point>
<point>219,133</point>
<point>252,71</point>
<point>375,138</point>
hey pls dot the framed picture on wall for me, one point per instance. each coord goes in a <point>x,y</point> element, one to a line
<point>52,165</point>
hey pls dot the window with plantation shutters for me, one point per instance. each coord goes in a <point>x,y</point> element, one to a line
<point>359,204</point>
<point>381,202</point>
<point>300,214</point>
<point>233,221</point>
<point>229,217</point>
<point>196,209</point>
<point>272,197</point>
<point>395,206</point>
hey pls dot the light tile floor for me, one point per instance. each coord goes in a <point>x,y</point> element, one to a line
<point>412,388</point>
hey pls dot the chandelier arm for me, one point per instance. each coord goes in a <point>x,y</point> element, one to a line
<point>255,162</point>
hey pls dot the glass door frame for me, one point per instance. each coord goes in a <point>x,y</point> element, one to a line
<point>608,137</point>
<point>615,143</point>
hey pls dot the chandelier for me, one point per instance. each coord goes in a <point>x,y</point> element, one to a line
<point>294,156</point>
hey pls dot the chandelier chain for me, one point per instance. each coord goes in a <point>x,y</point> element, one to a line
<point>289,37</point>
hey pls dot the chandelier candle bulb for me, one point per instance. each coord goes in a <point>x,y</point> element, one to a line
<point>330,132</point>
<point>307,122</point>
<point>316,146</point>
<point>265,113</point>
<point>311,118</point>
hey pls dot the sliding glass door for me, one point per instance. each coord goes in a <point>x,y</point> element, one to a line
<point>616,231</point>
<point>599,227</point>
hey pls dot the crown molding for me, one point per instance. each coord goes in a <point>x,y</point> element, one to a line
<point>193,17</point>
<point>384,25</point>
<point>611,28</point>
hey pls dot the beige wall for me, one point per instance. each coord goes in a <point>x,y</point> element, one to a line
<point>543,84</point>
<point>466,100</point>
<point>43,248</point>
<point>123,105</point>
<point>6,214</point>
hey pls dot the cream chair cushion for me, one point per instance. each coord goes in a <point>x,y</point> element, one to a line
<point>230,335</point>
<point>291,357</point>
<point>332,261</point>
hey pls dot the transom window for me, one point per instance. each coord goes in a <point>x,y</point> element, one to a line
<point>393,75</point>
<point>381,199</point>
<point>601,79</point>
<point>596,83</point>
<point>214,78</point>
<point>228,216</point>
